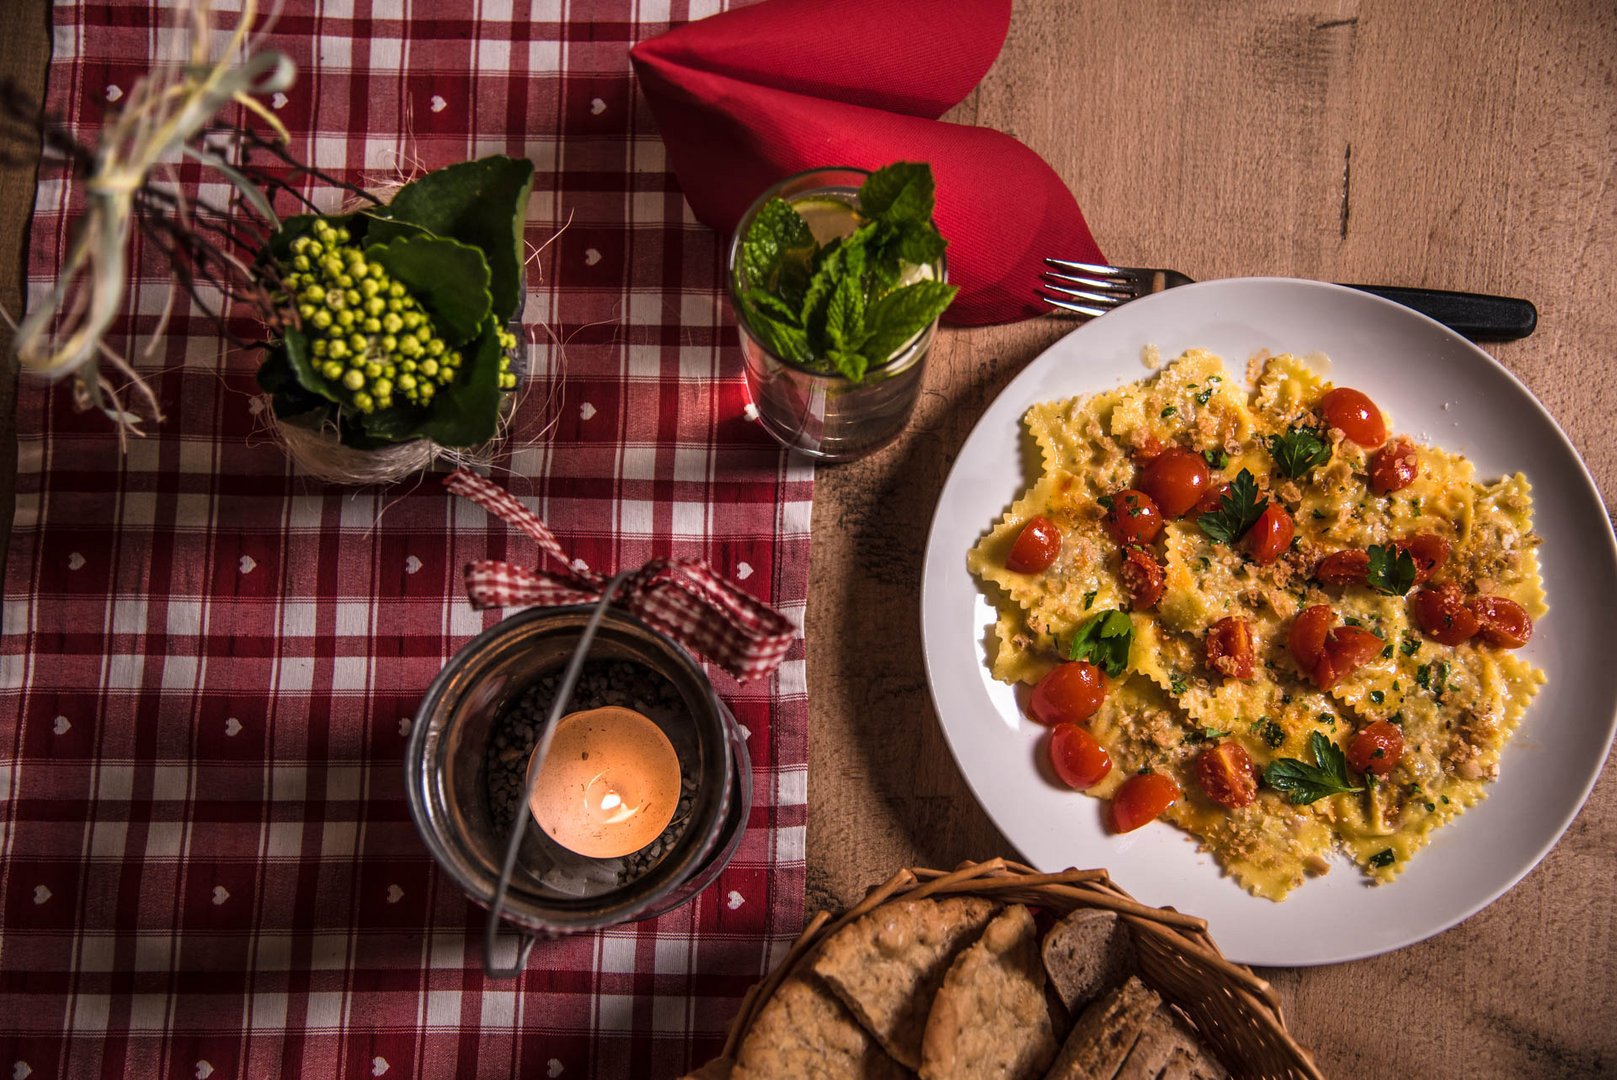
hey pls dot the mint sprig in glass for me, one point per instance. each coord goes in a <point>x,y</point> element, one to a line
<point>838,279</point>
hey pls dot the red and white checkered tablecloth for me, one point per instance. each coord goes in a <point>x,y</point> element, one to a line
<point>208,664</point>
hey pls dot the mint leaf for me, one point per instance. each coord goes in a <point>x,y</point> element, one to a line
<point>1104,640</point>
<point>1303,783</point>
<point>784,339</point>
<point>921,244</point>
<point>845,316</point>
<point>778,235</point>
<point>771,307</point>
<point>902,191</point>
<point>903,313</point>
<point>850,365</point>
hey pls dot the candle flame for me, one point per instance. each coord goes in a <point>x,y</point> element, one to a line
<point>609,808</point>
<point>611,800</point>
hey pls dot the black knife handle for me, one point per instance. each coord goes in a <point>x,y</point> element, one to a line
<point>1472,315</point>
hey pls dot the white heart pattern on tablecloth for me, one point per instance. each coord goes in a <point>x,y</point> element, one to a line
<point>41,894</point>
<point>750,411</point>
<point>438,105</point>
<point>204,1069</point>
<point>586,411</point>
<point>412,565</point>
<point>220,895</point>
<point>75,561</point>
<point>394,894</point>
<point>278,101</point>
<point>743,571</point>
<point>247,564</point>
<point>734,900</point>
<point>404,725</point>
<point>61,725</point>
<point>232,726</point>
<point>114,93</point>
<point>597,106</point>
<point>552,1068</point>
<point>591,257</point>
<point>378,1066</point>
<point>21,1071</point>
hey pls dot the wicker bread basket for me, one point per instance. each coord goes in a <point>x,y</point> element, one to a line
<point>1236,1013</point>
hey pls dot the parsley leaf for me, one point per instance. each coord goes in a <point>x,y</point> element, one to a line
<point>1411,644</point>
<point>1237,511</point>
<point>1384,857</point>
<point>1216,458</point>
<point>1089,599</point>
<point>1272,734</point>
<point>1104,640</point>
<point>1299,451</point>
<point>1303,783</point>
<point>1423,676</point>
<point>1171,410</point>
<point>1205,734</point>
<point>1391,570</point>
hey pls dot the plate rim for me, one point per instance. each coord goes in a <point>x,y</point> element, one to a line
<point>1585,490</point>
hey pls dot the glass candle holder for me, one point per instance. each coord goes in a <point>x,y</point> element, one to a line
<point>470,748</point>
<point>825,415</point>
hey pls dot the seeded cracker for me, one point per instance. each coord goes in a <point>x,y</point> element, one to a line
<point>887,966</point>
<point>804,1033</point>
<point>989,1020</point>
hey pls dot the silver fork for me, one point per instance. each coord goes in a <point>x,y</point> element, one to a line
<point>1093,289</point>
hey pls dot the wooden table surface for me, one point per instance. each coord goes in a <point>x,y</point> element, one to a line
<point>1448,144</point>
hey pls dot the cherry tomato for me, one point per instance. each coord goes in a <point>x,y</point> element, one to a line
<point>1394,468</point>
<point>1349,648</point>
<point>1355,415</point>
<point>1227,775</point>
<point>1142,799</point>
<point>1430,552</point>
<point>1070,693</point>
<point>1502,622</point>
<point>1133,518</point>
<point>1176,478</point>
<point>1229,648</point>
<point>1214,495</point>
<point>1078,757</point>
<point>1440,611</point>
<point>1307,637</point>
<point>1270,536</point>
<point>1146,452</point>
<point>1142,577</point>
<point>1036,547</point>
<point>1376,748</point>
<point>1343,568</point>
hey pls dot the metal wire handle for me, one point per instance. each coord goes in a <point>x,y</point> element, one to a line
<point>564,695</point>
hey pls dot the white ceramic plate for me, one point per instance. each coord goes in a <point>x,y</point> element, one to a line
<point>1436,386</point>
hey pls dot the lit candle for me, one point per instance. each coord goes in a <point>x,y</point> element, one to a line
<point>610,784</point>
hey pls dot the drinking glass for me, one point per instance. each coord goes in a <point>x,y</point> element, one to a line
<point>825,415</point>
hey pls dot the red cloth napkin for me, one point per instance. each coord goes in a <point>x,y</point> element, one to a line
<point>749,97</point>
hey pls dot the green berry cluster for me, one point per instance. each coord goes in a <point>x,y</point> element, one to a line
<point>371,340</point>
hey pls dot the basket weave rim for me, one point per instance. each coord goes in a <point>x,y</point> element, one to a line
<point>1184,934</point>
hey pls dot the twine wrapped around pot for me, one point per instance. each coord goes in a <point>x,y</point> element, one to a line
<point>1236,1013</point>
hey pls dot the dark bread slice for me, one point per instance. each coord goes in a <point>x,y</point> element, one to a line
<point>1105,1033</point>
<point>1087,952</point>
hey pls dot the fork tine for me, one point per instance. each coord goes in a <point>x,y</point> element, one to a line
<point>1105,300</point>
<point>1089,282</point>
<point>1080,309</point>
<point>1088,268</point>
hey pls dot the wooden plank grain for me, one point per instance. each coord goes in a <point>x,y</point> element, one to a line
<point>1447,144</point>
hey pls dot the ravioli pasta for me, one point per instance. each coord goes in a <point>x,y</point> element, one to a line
<point>1455,705</point>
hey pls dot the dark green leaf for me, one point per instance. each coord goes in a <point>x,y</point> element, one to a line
<point>1216,458</point>
<point>850,365</point>
<point>463,414</point>
<point>785,340</point>
<point>482,203</point>
<point>921,244</point>
<point>295,347</point>
<point>1303,783</point>
<point>1237,511</point>
<point>277,377</point>
<point>1272,734</point>
<point>1391,570</point>
<point>449,279</point>
<point>1385,856</point>
<point>1104,640</point>
<point>771,306</point>
<point>897,317</point>
<point>1299,451</point>
<point>777,236</point>
<point>902,191</point>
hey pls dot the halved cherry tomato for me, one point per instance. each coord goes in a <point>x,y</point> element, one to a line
<point>1036,546</point>
<point>1343,568</point>
<point>1229,648</point>
<point>1355,415</point>
<point>1133,518</point>
<point>1394,468</point>
<point>1349,648</point>
<point>1441,612</point>
<point>1142,577</point>
<point>1070,693</point>
<point>1078,757</point>
<point>1209,501</point>
<point>1142,799</point>
<point>1176,478</point>
<point>1429,551</point>
<point>1227,775</point>
<point>1502,622</point>
<point>1270,535</point>
<point>1307,637</point>
<point>1376,748</point>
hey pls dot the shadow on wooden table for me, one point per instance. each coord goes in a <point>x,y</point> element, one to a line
<point>884,790</point>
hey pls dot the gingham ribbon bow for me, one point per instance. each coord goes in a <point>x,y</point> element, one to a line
<point>682,598</point>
